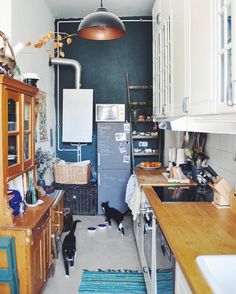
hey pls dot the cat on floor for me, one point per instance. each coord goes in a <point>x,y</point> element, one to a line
<point>116,215</point>
<point>69,248</point>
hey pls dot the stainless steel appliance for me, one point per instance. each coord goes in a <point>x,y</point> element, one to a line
<point>114,163</point>
<point>157,254</point>
<point>110,112</point>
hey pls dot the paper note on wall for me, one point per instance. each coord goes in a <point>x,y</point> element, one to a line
<point>126,159</point>
<point>120,136</point>
<point>122,148</point>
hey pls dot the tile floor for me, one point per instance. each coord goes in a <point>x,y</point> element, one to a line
<point>103,249</point>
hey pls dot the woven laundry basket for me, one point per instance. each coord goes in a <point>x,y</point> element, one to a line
<point>73,172</point>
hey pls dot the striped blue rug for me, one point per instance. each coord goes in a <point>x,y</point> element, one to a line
<point>112,282</point>
<point>165,280</point>
<point>107,282</point>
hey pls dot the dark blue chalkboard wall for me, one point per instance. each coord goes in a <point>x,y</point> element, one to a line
<point>104,64</point>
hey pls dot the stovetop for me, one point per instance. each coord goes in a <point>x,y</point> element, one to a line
<point>183,194</point>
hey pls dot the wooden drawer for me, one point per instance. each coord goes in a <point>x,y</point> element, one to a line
<point>41,224</point>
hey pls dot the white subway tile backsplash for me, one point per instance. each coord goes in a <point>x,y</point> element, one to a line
<point>221,150</point>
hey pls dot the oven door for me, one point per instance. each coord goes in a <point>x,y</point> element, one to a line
<point>158,256</point>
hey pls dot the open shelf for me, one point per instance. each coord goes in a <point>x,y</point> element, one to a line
<point>144,137</point>
<point>146,154</point>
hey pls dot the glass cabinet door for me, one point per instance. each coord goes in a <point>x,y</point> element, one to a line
<point>13,111</point>
<point>27,127</point>
<point>225,52</point>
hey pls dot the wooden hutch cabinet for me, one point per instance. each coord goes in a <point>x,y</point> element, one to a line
<point>32,230</point>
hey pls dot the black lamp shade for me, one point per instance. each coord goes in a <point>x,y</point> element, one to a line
<point>101,25</point>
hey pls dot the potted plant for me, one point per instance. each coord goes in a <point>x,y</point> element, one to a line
<point>44,160</point>
<point>133,111</point>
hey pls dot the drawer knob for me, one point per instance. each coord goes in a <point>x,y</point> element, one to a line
<point>59,212</point>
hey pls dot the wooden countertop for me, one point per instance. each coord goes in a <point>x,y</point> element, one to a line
<point>194,229</point>
<point>31,216</point>
<point>191,229</point>
<point>155,178</point>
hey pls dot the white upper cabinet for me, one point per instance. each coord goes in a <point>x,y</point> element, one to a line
<point>194,57</point>
<point>201,57</point>
<point>225,12</point>
<point>162,76</point>
<point>179,56</point>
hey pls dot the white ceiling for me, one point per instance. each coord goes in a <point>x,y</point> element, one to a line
<point>80,8</point>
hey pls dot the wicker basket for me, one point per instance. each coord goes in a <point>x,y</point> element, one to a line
<point>7,63</point>
<point>73,173</point>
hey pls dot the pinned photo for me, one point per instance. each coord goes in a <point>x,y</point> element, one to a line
<point>120,136</point>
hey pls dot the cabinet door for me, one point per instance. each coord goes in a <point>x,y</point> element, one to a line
<point>162,75</point>
<point>28,132</point>
<point>200,76</point>
<point>47,247</point>
<point>57,218</point>
<point>156,60</point>
<point>226,54</point>
<point>179,59</point>
<point>13,108</point>
<point>38,262</point>
<point>181,285</point>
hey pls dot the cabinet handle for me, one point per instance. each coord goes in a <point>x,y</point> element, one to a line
<point>59,212</point>
<point>145,269</point>
<point>158,18</point>
<point>186,104</point>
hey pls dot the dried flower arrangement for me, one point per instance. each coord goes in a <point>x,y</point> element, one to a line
<point>59,39</point>
<point>44,160</point>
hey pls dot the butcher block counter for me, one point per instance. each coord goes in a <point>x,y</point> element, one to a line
<point>155,177</point>
<point>192,229</point>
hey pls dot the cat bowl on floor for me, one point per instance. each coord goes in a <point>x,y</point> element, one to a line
<point>91,229</point>
<point>102,226</point>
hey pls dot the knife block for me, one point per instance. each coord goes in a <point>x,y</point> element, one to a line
<point>223,192</point>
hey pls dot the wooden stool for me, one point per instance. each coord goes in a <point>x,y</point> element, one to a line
<point>9,275</point>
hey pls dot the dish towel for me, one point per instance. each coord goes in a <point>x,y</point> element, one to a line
<point>134,196</point>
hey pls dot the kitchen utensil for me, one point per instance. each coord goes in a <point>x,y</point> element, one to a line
<point>180,156</point>
<point>212,171</point>
<point>172,154</point>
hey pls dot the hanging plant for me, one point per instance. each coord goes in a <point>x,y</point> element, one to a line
<point>59,39</point>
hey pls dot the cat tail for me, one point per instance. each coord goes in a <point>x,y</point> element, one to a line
<point>72,231</point>
<point>126,212</point>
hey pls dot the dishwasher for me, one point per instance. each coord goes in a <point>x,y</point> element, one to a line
<point>159,258</point>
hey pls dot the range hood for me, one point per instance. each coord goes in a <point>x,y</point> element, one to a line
<point>218,124</point>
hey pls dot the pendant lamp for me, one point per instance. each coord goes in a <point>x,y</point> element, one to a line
<point>101,25</point>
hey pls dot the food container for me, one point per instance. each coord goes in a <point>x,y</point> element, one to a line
<point>31,78</point>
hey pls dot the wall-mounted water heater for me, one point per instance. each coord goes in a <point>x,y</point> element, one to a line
<point>77,122</point>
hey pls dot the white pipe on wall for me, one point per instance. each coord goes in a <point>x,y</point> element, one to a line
<point>72,62</point>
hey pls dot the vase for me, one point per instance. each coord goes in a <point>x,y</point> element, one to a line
<point>41,183</point>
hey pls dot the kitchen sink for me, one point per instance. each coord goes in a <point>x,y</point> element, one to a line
<point>219,271</point>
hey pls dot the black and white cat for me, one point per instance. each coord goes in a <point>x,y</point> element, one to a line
<point>69,248</point>
<point>112,213</point>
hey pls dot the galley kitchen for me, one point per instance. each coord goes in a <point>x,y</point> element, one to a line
<point>118,146</point>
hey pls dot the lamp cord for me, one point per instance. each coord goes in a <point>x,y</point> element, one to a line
<point>101,4</point>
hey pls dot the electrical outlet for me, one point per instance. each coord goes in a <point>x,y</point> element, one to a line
<point>143,144</point>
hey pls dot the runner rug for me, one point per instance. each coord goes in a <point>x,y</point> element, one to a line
<point>108,282</point>
<point>112,282</point>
